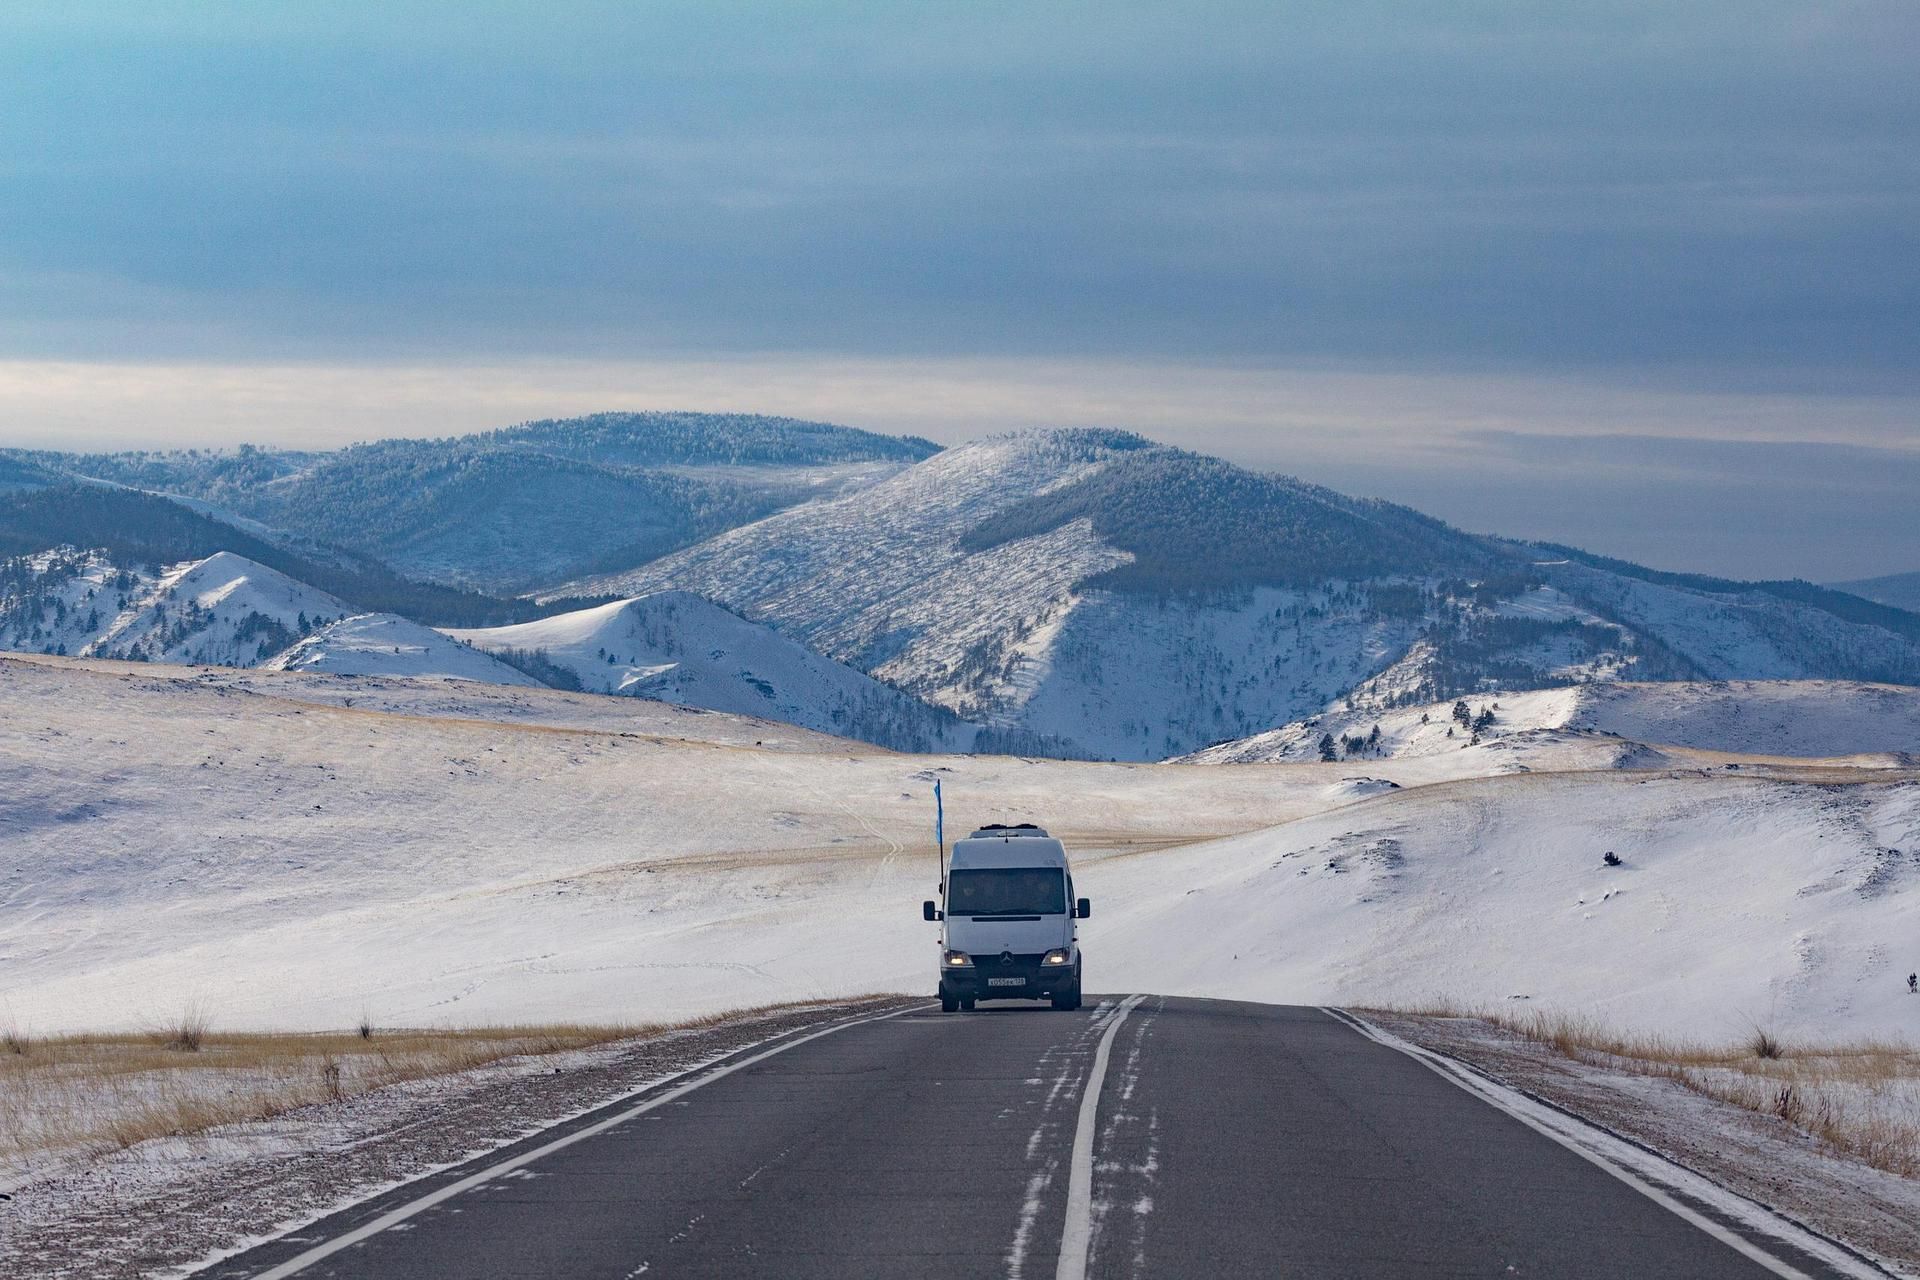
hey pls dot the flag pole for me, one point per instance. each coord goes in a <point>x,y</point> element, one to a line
<point>940,837</point>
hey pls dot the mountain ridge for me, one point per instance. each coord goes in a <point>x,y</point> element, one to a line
<point>522,506</point>
<point>1145,601</point>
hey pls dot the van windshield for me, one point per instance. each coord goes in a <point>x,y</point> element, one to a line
<point>1007,891</point>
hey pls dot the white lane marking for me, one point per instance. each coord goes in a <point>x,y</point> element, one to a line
<point>1043,1129</point>
<point>300,1262</point>
<point>1634,1165</point>
<point>1077,1234</point>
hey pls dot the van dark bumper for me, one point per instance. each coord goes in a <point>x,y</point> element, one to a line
<point>1022,979</point>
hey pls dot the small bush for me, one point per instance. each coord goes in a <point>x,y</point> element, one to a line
<point>1763,1044</point>
<point>14,1040</point>
<point>187,1032</point>
<point>364,1028</point>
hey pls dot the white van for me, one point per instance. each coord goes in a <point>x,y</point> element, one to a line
<point>1007,929</point>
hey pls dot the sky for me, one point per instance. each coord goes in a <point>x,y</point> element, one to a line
<point>1638,276</point>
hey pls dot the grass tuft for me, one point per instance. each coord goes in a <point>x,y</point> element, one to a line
<point>330,1078</point>
<point>186,1033</point>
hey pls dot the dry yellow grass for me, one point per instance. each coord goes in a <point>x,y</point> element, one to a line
<point>1860,1097</point>
<point>87,1095</point>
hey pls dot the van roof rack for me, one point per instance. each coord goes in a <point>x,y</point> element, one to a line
<point>1007,830</point>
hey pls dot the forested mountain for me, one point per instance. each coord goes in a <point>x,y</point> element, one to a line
<point>524,506</point>
<point>1145,601</point>
<point>1191,523</point>
<point>705,440</point>
<point>1901,590</point>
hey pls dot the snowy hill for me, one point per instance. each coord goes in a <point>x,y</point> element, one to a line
<point>1010,629</point>
<point>1740,901</point>
<point>676,647</point>
<point>384,644</point>
<point>1144,601</point>
<point>1792,718</point>
<point>226,610</point>
<point>223,610</point>
<point>347,847</point>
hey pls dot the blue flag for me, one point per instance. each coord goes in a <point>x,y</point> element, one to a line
<point>939,820</point>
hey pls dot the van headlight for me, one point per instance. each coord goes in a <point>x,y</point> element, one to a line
<point>1057,956</point>
<point>956,960</point>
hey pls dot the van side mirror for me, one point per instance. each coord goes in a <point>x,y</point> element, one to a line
<point>928,911</point>
<point>1083,908</point>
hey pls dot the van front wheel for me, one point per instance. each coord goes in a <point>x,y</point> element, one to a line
<point>1068,999</point>
<point>948,1004</point>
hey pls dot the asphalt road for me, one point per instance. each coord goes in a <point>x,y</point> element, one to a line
<point>1144,1137</point>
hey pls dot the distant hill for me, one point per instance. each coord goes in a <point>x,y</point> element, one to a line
<point>135,528</point>
<point>1901,590</point>
<point>524,506</point>
<point>1805,718</point>
<point>1146,601</point>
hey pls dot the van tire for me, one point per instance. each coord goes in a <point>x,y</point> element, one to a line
<point>948,1003</point>
<point>966,1006</point>
<point>1068,999</point>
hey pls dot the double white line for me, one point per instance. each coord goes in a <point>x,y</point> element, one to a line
<point>1077,1235</point>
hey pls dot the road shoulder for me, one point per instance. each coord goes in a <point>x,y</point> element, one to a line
<point>1756,1156</point>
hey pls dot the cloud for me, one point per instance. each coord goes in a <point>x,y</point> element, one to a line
<point>1726,192</point>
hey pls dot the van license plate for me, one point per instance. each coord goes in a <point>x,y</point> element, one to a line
<point>1006,982</point>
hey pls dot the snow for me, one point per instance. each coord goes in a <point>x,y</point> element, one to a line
<point>1748,635</point>
<point>1741,901</point>
<point>385,644</point>
<point>1797,718</point>
<point>676,647</point>
<point>293,851</point>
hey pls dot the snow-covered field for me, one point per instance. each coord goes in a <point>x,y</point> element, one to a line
<point>295,851</point>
